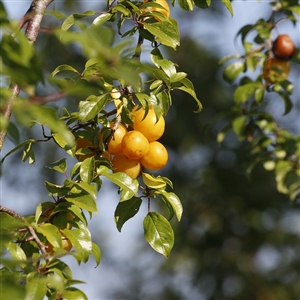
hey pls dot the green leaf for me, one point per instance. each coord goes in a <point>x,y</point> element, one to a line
<point>232,71</point>
<point>81,241</point>
<point>60,267</point>
<point>121,8</point>
<point>177,77</point>
<point>153,182</point>
<point>96,253</point>
<point>36,288</point>
<point>244,92</point>
<point>191,91</point>
<point>166,65</point>
<point>122,180</point>
<point>187,5</point>
<point>56,190</point>
<point>259,95</point>
<point>158,233</point>
<point>100,20</point>
<point>72,293</point>
<point>62,68</point>
<point>203,3</point>
<point>9,223</point>
<point>59,165</point>
<point>17,253</point>
<point>90,108</point>
<point>87,169</point>
<point>288,104</point>
<point>88,187</point>
<point>173,200</point>
<point>51,233</point>
<point>295,9</point>
<point>65,140</point>
<point>71,20</point>
<point>228,5</point>
<point>164,33</point>
<point>82,199</point>
<point>23,144</point>
<point>126,210</point>
<point>28,154</point>
<point>238,126</point>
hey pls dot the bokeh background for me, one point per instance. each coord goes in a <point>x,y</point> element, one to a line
<point>238,238</point>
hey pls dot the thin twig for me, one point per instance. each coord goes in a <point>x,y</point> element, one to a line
<point>48,98</point>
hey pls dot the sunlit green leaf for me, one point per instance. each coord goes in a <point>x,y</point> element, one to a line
<point>164,33</point>
<point>16,252</point>
<point>96,253</point>
<point>87,169</point>
<point>153,182</point>
<point>232,71</point>
<point>82,199</point>
<point>89,108</point>
<point>100,20</point>
<point>187,5</point>
<point>244,92</point>
<point>238,126</point>
<point>73,293</point>
<point>173,200</point>
<point>158,233</point>
<point>122,180</point>
<point>51,233</point>
<point>36,288</point>
<point>59,165</point>
<point>81,241</point>
<point>62,68</point>
<point>72,19</point>
<point>23,144</point>
<point>228,5</point>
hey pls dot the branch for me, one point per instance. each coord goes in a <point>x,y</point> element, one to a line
<point>33,19</point>
<point>30,229</point>
<point>48,98</point>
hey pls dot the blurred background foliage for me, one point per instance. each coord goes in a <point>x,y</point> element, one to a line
<point>238,238</point>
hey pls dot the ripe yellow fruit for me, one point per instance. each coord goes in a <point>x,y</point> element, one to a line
<point>122,163</point>
<point>135,145</point>
<point>164,4</point>
<point>156,158</point>
<point>114,145</point>
<point>66,245</point>
<point>275,69</point>
<point>148,125</point>
<point>82,143</point>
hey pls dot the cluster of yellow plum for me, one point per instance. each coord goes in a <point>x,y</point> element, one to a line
<point>130,147</point>
<point>133,149</point>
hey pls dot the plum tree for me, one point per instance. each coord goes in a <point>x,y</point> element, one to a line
<point>104,87</point>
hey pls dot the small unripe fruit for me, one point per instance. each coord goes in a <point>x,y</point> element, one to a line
<point>283,47</point>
